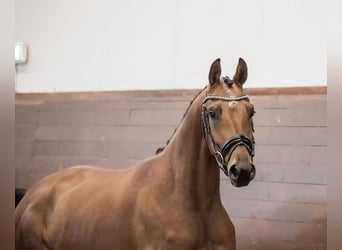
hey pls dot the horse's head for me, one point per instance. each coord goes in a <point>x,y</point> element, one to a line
<point>227,123</point>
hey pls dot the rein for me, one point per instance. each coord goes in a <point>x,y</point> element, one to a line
<point>232,143</point>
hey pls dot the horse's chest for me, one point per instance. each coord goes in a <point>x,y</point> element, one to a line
<point>174,233</point>
<point>166,226</point>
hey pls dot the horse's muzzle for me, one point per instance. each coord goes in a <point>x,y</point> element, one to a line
<point>240,175</point>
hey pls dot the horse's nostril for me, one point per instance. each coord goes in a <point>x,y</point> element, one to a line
<point>252,173</point>
<point>234,172</point>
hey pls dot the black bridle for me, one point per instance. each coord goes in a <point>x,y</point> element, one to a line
<point>232,143</point>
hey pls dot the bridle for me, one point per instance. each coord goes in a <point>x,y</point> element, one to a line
<point>232,143</point>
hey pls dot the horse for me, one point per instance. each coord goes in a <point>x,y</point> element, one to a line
<point>170,200</point>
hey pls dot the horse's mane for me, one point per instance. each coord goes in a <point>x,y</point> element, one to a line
<point>228,81</point>
<point>160,149</point>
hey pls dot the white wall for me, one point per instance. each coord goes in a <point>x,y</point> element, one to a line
<point>86,45</point>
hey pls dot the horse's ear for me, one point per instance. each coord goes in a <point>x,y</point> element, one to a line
<point>215,72</point>
<point>241,73</point>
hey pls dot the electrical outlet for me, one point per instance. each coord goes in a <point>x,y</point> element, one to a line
<point>20,53</point>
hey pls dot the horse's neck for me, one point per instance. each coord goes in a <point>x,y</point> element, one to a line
<point>193,168</point>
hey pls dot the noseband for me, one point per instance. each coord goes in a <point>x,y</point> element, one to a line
<point>232,143</point>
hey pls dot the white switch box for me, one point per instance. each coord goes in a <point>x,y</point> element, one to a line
<point>20,52</point>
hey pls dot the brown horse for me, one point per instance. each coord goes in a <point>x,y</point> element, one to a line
<point>169,201</point>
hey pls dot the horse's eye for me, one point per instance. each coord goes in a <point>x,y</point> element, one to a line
<point>214,114</point>
<point>251,113</point>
